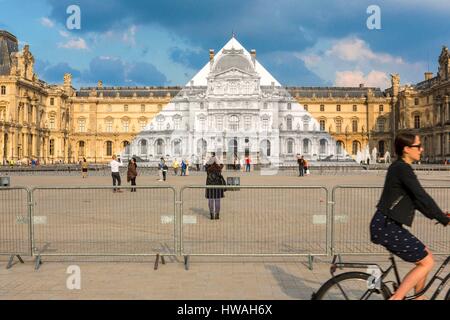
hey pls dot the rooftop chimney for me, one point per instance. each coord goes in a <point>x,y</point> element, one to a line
<point>428,75</point>
<point>211,55</point>
<point>253,54</point>
<point>100,84</point>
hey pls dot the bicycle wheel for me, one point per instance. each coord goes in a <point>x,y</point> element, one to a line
<point>351,286</point>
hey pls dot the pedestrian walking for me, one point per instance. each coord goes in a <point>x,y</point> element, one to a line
<point>214,178</point>
<point>163,170</point>
<point>115,173</point>
<point>183,167</point>
<point>132,173</point>
<point>402,195</point>
<point>306,167</point>
<point>84,168</point>
<point>187,168</point>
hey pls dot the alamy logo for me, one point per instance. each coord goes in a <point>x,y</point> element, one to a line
<point>74,20</point>
<point>74,280</point>
<point>374,281</point>
<point>374,20</point>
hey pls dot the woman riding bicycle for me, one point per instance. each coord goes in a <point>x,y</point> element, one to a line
<point>402,195</point>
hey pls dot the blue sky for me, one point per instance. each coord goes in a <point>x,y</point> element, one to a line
<point>165,42</point>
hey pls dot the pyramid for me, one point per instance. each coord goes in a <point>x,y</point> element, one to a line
<point>179,129</point>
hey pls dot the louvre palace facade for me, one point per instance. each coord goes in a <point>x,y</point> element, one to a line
<point>233,106</point>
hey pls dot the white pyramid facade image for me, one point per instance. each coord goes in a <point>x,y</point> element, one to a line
<point>233,106</point>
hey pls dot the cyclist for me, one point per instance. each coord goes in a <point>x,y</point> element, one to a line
<point>402,195</point>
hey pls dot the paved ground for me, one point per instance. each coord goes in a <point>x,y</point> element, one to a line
<point>207,278</point>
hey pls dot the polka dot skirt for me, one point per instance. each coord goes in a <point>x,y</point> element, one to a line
<point>396,239</point>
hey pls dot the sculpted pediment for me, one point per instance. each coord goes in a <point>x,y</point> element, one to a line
<point>233,73</point>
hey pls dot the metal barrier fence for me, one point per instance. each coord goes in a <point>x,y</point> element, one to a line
<point>255,221</point>
<point>15,227</point>
<point>95,221</point>
<point>353,208</point>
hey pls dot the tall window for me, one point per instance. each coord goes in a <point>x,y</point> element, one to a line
<point>355,147</point>
<point>160,123</point>
<point>125,108</point>
<point>338,107</point>
<point>265,123</point>
<point>202,122</point>
<point>109,147</point>
<point>52,121</point>
<point>248,123</point>
<point>306,145</point>
<point>52,101</point>
<point>289,106</point>
<point>355,108</point>
<point>177,148</point>
<point>52,147</point>
<point>109,125</point>
<point>125,125</point>
<point>81,125</point>
<point>81,147</point>
<point>290,146</point>
<point>3,90</point>
<point>323,146</point>
<point>417,122</point>
<point>289,123</point>
<point>305,107</point>
<point>142,107</point>
<point>339,147</point>
<point>142,124</point>
<point>306,124</point>
<point>233,123</point>
<point>322,108</point>
<point>416,101</point>
<point>380,123</point>
<point>160,147</point>
<point>126,146</point>
<point>355,125</point>
<point>177,122</point>
<point>143,148</point>
<point>338,126</point>
<point>322,125</point>
<point>381,108</point>
<point>219,123</point>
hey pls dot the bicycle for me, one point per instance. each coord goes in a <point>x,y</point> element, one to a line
<point>365,286</point>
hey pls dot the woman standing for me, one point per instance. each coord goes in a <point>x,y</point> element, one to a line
<point>214,177</point>
<point>132,173</point>
<point>402,195</point>
<point>84,168</point>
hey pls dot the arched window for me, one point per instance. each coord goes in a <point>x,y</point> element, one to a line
<point>354,125</point>
<point>338,125</point>
<point>52,121</point>
<point>339,148</point>
<point>3,90</point>
<point>380,124</point>
<point>126,147</point>
<point>143,147</point>
<point>322,125</point>
<point>81,124</point>
<point>201,147</point>
<point>108,125</point>
<point>417,122</point>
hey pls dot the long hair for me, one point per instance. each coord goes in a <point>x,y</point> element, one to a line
<point>403,140</point>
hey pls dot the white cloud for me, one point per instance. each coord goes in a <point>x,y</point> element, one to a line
<point>78,44</point>
<point>64,34</point>
<point>46,22</point>
<point>350,61</point>
<point>355,78</point>
<point>130,36</point>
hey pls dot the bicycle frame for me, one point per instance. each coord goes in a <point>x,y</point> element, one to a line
<point>393,266</point>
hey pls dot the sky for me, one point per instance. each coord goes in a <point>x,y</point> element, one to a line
<point>166,42</point>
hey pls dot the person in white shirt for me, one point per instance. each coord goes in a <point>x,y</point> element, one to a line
<point>115,173</point>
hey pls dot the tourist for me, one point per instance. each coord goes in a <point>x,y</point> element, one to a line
<point>214,177</point>
<point>247,163</point>
<point>301,165</point>
<point>84,168</point>
<point>115,173</point>
<point>175,166</point>
<point>132,173</point>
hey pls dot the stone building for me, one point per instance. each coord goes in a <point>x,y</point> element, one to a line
<point>224,108</point>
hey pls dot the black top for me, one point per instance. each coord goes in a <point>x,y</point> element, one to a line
<point>403,194</point>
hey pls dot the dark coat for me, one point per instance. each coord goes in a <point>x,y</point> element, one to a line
<point>403,194</point>
<point>132,172</point>
<point>214,177</point>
